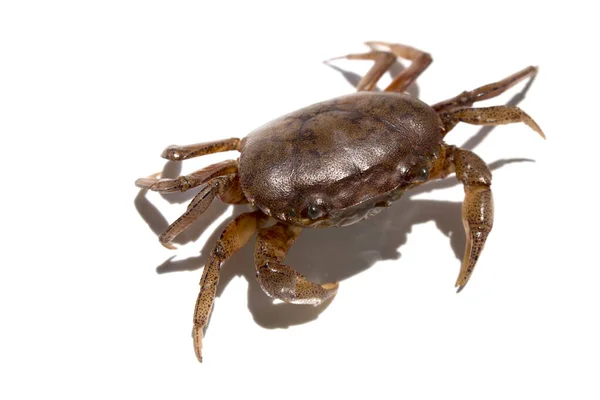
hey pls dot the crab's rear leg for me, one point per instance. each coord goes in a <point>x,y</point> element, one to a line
<point>385,59</point>
<point>420,60</point>
<point>281,281</point>
<point>233,238</point>
<point>467,98</point>
<point>179,153</point>
<point>497,115</point>
<point>227,188</point>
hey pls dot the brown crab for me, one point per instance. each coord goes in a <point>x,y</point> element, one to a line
<point>333,164</point>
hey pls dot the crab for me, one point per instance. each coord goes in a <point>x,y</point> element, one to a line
<point>336,163</point>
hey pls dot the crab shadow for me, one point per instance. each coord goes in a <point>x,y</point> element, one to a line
<point>322,255</point>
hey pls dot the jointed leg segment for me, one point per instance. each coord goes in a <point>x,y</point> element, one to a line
<point>477,210</point>
<point>419,62</point>
<point>478,206</point>
<point>225,187</point>
<point>385,59</point>
<point>458,109</point>
<point>186,182</point>
<point>180,153</point>
<point>233,238</point>
<point>221,180</point>
<point>467,98</point>
<point>497,115</point>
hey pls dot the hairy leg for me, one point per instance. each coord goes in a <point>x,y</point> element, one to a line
<point>467,98</point>
<point>187,182</point>
<point>233,238</point>
<point>478,206</point>
<point>497,115</point>
<point>225,187</point>
<point>419,62</point>
<point>180,153</point>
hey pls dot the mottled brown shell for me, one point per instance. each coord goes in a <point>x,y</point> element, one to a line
<point>342,156</point>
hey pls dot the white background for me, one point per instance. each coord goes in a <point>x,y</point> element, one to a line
<point>92,306</point>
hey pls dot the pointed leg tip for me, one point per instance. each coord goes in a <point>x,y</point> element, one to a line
<point>141,183</point>
<point>460,284</point>
<point>542,134</point>
<point>372,43</point>
<point>328,61</point>
<point>169,245</point>
<point>145,183</point>
<point>198,335</point>
<point>533,125</point>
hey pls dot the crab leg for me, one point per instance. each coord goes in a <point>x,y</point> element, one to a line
<point>186,182</point>
<point>180,153</point>
<point>226,187</point>
<point>477,209</point>
<point>478,206</point>
<point>419,62</point>
<point>281,281</point>
<point>385,59</point>
<point>497,115</point>
<point>233,238</point>
<point>467,98</point>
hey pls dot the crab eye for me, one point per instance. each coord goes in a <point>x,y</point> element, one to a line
<point>422,174</point>
<point>313,211</point>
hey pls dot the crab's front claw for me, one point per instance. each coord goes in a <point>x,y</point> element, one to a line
<point>280,281</point>
<point>288,285</point>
